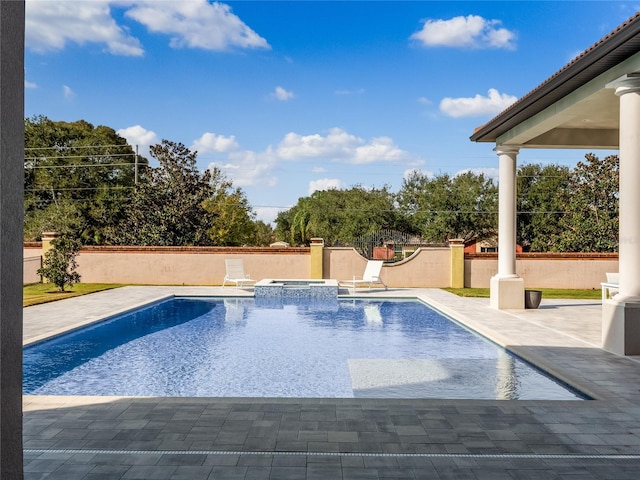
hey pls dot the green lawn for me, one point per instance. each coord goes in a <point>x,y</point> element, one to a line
<point>47,292</point>
<point>593,294</point>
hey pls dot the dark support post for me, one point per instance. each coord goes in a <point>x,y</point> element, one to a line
<point>11,213</point>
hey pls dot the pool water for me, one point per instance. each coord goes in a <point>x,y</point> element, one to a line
<point>245,347</point>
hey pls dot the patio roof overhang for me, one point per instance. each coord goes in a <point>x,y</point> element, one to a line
<point>573,108</point>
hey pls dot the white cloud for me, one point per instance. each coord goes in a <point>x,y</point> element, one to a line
<point>28,84</point>
<point>137,135</point>
<point>471,31</point>
<point>325,184</point>
<point>268,214</point>
<point>246,167</point>
<point>381,149</point>
<point>68,93</point>
<point>51,24</point>
<point>477,106</point>
<point>282,94</point>
<point>210,142</point>
<point>425,101</point>
<point>339,145</point>
<point>196,24</point>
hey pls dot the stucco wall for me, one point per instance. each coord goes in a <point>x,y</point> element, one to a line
<point>425,268</point>
<point>205,266</point>
<point>32,260</point>
<point>549,270</point>
<point>187,266</point>
<point>30,266</point>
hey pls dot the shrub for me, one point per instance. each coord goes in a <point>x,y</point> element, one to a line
<point>59,264</point>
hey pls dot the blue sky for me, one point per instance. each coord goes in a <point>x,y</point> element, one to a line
<point>290,97</point>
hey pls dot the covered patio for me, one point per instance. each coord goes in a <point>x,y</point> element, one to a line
<point>592,103</point>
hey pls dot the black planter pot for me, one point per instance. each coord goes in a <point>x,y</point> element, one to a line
<point>532,298</point>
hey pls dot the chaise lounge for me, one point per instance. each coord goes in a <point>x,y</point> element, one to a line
<point>370,276</point>
<point>235,273</point>
<point>611,286</point>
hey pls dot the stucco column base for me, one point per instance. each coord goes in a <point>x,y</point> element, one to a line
<point>621,326</point>
<point>507,293</point>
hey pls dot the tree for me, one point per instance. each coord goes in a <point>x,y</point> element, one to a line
<point>590,223</point>
<point>300,223</point>
<point>445,207</point>
<point>59,264</point>
<point>540,205</point>
<point>78,178</point>
<point>177,204</point>
<point>283,221</point>
<point>167,208</point>
<point>233,221</point>
<point>264,234</point>
<point>338,216</point>
<point>62,216</point>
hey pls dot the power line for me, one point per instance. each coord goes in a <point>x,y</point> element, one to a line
<point>64,157</point>
<point>465,212</point>
<point>63,147</point>
<point>49,189</point>
<point>34,167</point>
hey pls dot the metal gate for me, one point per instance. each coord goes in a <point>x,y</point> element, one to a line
<point>388,245</point>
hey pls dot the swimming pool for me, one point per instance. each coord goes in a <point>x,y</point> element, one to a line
<point>245,347</point>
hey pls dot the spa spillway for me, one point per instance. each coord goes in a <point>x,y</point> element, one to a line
<point>275,288</point>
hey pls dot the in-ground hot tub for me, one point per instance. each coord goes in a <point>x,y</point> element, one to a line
<point>302,288</point>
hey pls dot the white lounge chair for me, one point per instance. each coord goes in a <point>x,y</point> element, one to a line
<point>370,276</point>
<point>235,273</point>
<point>611,286</point>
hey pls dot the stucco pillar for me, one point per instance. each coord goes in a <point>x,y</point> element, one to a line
<point>11,208</point>
<point>317,253</point>
<point>456,247</point>
<point>507,289</point>
<point>621,314</point>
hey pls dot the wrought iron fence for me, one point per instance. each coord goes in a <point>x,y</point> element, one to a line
<point>389,245</point>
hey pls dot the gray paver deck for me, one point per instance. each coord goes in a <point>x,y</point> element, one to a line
<point>268,438</point>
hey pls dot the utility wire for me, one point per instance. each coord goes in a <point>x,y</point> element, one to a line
<point>65,157</point>
<point>63,147</point>
<point>88,200</point>
<point>48,189</point>
<point>80,166</point>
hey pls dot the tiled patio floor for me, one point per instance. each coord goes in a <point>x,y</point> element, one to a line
<point>197,438</point>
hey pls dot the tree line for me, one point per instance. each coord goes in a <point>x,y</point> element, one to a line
<point>558,209</point>
<point>88,183</point>
<point>81,181</point>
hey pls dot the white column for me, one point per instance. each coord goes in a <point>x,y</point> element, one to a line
<point>621,315</point>
<point>507,289</point>
<point>629,241</point>
<point>507,211</point>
